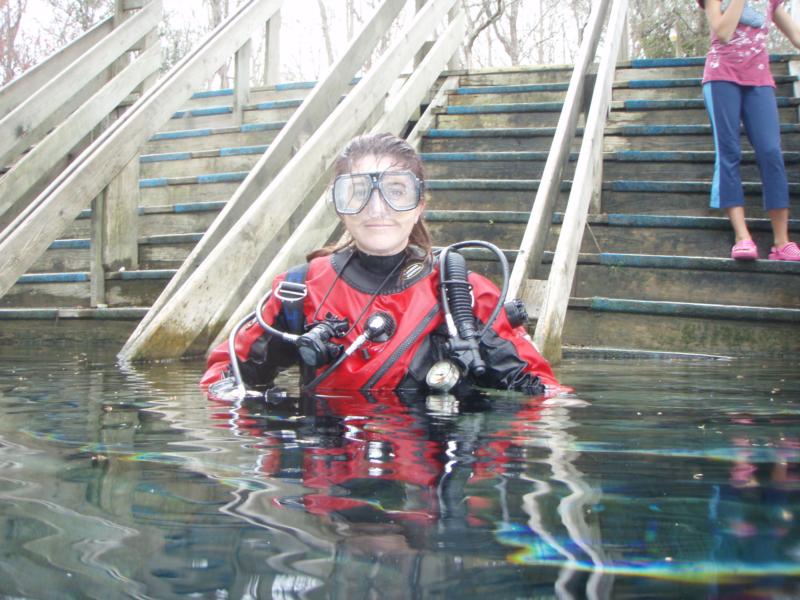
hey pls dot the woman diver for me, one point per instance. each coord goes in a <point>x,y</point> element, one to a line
<point>382,311</point>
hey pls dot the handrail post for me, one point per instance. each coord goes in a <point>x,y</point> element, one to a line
<point>455,61</point>
<point>531,248</point>
<point>625,45</point>
<point>272,45</point>
<point>420,56</point>
<point>242,80</point>
<point>115,233</point>
<point>550,324</point>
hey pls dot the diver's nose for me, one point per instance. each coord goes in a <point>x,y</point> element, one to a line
<point>376,207</point>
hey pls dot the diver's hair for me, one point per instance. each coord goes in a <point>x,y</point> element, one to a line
<point>379,145</point>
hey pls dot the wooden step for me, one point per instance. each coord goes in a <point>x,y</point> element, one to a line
<point>200,162</point>
<point>682,327</point>
<point>222,115</point>
<point>189,140</point>
<point>646,165</point>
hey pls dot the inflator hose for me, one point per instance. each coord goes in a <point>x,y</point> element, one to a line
<point>458,295</point>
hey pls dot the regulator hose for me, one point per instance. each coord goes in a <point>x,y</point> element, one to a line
<point>457,304</point>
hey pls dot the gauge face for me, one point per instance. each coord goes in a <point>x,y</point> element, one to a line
<point>442,375</point>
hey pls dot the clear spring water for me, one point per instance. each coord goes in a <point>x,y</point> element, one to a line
<point>657,479</point>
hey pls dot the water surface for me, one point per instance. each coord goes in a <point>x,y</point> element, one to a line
<point>656,479</point>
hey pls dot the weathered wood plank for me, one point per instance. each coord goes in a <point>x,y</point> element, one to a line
<point>30,168</point>
<point>16,91</point>
<point>92,171</point>
<point>242,80</point>
<point>272,49</point>
<point>32,112</point>
<point>550,324</point>
<point>188,315</point>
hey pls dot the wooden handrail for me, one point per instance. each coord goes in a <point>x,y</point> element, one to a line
<point>199,309</point>
<point>531,248</point>
<point>17,90</point>
<point>53,149</point>
<point>316,107</point>
<point>93,169</point>
<point>550,324</point>
<point>18,128</point>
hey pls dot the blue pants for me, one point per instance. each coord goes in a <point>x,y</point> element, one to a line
<point>728,104</point>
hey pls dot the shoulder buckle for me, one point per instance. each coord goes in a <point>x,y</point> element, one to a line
<point>290,291</point>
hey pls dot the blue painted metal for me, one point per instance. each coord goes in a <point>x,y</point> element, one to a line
<point>183,133</point>
<point>651,261</point>
<point>661,129</point>
<point>76,277</point>
<point>646,63</point>
<point>686,103</point>
<point>166,157</point>
<point>222,177</point>
<point>512,89</point>
<point>172,238</point>
<point>682,156</point>
<point>687,222</point>
<point>271,126</point>
<point>295,85</point>
<point>487,156</point>
<point>660,186</point>
<point>193,207</point>
<point>684,309</point>
<point>482,184</point>
<point>71,244</point>
<point>144,275</point>
<point>244,150</point>
<point>153,182</point>
<point>493,132</point>
<point>505,108</point>
<point>663,104</point>
<point>213,93</point>
<point>273,104</point>
<point>664,83</point>
<point>203,112</point>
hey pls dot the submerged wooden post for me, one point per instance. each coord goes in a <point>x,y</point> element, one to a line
<point>272,46</point>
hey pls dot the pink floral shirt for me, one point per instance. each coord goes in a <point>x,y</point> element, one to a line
<point>744,59</point>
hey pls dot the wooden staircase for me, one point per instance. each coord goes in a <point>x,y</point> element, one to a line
<point>654,273</point>
<point>188,170</point>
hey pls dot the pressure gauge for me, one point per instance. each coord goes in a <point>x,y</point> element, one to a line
<point>442,376</point>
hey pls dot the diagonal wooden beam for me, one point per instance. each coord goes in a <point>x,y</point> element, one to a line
<point>306,119</point>
<point>91,172</point>
<point>234,264</point>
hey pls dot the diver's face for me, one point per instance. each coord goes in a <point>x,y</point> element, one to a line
<point>379,229</point>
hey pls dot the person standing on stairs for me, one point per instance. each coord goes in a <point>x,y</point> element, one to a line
<point>738,87</point>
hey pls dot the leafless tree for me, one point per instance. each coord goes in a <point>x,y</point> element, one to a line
<point>14,57</point>
<point>71,18</point>
<point>326,30</point>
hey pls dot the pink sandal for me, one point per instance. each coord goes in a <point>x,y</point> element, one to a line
<point>745,250</point>
<point>789,251</point>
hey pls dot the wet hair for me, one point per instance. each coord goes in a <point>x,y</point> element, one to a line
<point>403,154</point>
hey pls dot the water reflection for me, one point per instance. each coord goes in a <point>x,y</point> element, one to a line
<point>672,480</point>
<point>421,494</point>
